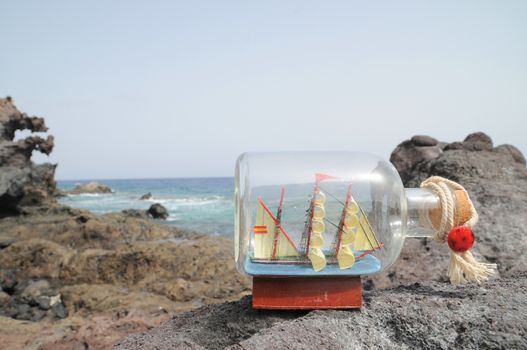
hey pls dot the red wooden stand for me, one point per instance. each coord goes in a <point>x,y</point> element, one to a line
<point>305,293</point>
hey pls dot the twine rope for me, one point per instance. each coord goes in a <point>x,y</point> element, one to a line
<point>463,266</point>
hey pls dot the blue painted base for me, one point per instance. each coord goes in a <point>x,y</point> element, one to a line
<point>365,266</point>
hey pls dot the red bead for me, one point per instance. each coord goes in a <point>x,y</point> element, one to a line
<point>461,239</point>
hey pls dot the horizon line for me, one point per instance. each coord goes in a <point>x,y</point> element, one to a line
<point>149,178</point>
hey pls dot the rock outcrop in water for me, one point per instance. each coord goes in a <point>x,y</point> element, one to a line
<point>22,182</point>
<point>146,196</point>
<point>91,188</point>
<point>419,308</point>
<point>157,211</point>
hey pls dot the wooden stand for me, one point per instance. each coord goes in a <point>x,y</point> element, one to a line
<point>306,293</point>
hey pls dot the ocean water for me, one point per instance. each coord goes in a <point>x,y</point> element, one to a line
<point>201,204</point>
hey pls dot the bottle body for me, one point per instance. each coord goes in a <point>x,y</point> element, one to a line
<point>322,214</point>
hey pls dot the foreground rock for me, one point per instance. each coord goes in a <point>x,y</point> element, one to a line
<point>36,301</point>
<point>75,332</point>
<point>136,213</point>
<point>22,182</point>
<point>91,279</point>
<point>82,248</point>
<point>419,316</point>
<point>91,188</point>
<point>428,314</point>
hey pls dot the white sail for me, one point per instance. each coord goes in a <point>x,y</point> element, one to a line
<point>348,229</point>
<point>365,238</point>
<point>316,241</point>
<point>264,236</point>
<point>345,257</point>
<point>355,233</point>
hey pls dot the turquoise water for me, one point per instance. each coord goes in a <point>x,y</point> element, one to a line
<point>201,204</point>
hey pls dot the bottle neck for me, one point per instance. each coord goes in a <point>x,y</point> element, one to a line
<point>423,210</point>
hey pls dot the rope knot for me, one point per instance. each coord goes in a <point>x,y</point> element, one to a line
<point>463,266</point>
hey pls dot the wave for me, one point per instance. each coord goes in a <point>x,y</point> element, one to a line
<point>188,200</point>
<point>89,195</point>
<point>191,202</point>
<point>156,200</point>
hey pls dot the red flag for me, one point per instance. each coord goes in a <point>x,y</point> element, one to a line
<point>322,177</point>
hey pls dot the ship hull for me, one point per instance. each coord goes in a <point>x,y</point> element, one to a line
<point>292,267</point>
<point>295,261</point>
<point>300,260</point>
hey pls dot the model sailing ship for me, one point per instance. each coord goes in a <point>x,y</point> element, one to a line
<point>272,244</point>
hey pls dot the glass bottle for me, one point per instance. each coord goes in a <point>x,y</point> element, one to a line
<point>325,214</point>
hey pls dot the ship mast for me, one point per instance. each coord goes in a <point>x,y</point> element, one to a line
<point>277,225</point>
<point>305,242</point>
<point>335,246</point>
<point>306,235</point>
<point>308,228</point>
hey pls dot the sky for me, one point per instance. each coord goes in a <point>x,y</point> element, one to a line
<point>157,89</point>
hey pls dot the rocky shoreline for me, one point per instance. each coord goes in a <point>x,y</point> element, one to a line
<point>117,273</point>
<point>72,279</point>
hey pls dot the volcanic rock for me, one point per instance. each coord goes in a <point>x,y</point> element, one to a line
<point>146,196</point>
<point>34,290</point>
<point>157,211</point>
<point>23,183</point>
<point>23,312</point>
<point>73,332</point>
<point>423,140</point>
<point>136,213</point>
<point>418,149</point>
<point>43,302</point>
<point>59,310</point>
<point>60,193</point>
<point>91,188</point>
<point>8,280</point>
<point>111,274</point>
<point>511,150</point>
<point>4,298</point>
<point>478,141</point>
<point>429,315</point>
<point>38,315</point>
